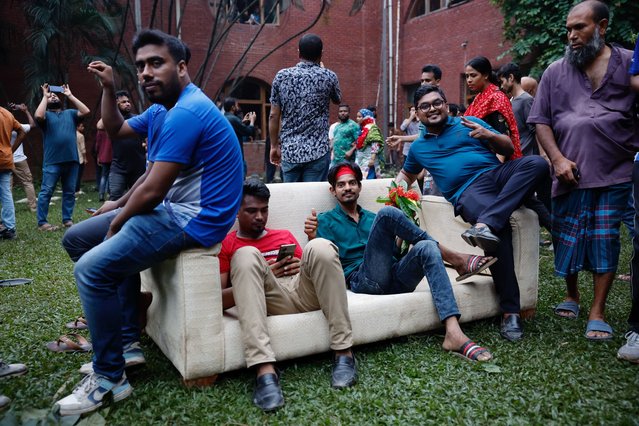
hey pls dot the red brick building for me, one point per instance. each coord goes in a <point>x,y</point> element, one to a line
<point>429,31</point>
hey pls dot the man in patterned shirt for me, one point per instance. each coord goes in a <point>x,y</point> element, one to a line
<point>300,98</point>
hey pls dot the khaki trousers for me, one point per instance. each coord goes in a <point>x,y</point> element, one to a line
<point>258,293</point>
<point>24,178</point>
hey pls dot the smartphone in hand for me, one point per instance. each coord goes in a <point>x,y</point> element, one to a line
<point>285,251</point>
<point>56,89</point>
<point>90,210</point>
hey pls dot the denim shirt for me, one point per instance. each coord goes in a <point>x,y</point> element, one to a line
<point>349,236</point>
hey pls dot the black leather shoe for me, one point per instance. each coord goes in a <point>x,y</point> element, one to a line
<point>485,239</point>
<point>344,372</point>
<point>512,328</point>
<point>267,393</point>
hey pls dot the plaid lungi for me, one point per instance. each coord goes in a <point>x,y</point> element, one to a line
<point>585,227</point>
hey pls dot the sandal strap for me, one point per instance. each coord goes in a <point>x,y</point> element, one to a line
<point>472,350</point>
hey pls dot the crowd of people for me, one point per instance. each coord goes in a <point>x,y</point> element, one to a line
<point>515,145</point>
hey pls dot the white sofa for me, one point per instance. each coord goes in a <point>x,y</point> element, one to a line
<point>187,322</point>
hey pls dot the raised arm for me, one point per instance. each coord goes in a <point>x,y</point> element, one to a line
<point>114,123</point>
<point>83,110</point>
<point>42,106</point>
<point>23,108</point>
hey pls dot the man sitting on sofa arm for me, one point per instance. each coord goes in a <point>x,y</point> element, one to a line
<point>460,155</point>
<point>367,246</point>
<point>262,285</point>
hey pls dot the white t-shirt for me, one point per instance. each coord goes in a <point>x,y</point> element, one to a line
<point>19,154</point>
<point>331,130</point>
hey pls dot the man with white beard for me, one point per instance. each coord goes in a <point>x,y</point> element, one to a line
<point>584,118</point>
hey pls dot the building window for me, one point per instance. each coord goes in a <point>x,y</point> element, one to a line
<point>424,7</point>
<point>250,12</point>
<point>252,95</point>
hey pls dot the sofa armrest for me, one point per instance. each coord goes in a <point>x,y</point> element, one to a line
<point>185,317</point>
<point>438,218</point>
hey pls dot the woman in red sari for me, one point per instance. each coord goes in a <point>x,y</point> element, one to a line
<point>491,104</point>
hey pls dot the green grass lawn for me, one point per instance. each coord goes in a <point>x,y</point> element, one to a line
<point>554,376</point>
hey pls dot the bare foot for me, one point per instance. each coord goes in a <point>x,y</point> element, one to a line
<point>457,341</point>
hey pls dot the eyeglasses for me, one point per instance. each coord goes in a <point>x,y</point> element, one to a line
<point>425,107</point>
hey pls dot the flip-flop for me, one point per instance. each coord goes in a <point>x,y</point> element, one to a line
<point>80,323</point>
<point>65,343</point>
<point>12,282</point>
<point>598,325</point>
<point>567,306</point>
<point>474,266</point>
<point>470,351</point>
<point>47,227</point>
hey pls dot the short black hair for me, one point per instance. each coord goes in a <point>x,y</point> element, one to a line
<point>508,69</point>
<point>332,172</point>
<point>599,9</point>
<point>453,109</point>
<point>425,90</point>
<point>229,103</point>
<point>310,47</point>
<point>347,106</point>
<point>437,72</point>
<point>255,188</point>
<point>177,48</point>
<point>121,93</point>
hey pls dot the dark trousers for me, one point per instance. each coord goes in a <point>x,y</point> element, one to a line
<point>633,319</point>
<point>491,199</point>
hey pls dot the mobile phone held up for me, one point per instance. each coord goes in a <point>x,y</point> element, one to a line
<point>56,89</point>
<point>285,251</point>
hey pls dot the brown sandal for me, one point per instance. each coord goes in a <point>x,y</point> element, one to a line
<point>80,323</point>
<point>47,227</point>
<point>66,343</point>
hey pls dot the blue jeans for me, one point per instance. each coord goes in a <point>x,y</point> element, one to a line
<point>143,241</point>
<point>633,318</point>
<point>81,238</point>
<point>103,187</point>
<point>68,173</point>
<point>8,213</point>
<point>381,273</point>
<point>313,171</point>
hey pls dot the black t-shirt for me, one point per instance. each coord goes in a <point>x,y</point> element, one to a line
<point>129,155</point>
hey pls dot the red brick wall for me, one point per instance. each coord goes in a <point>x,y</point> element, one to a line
<point>437,38</point>
<point>351,49</point>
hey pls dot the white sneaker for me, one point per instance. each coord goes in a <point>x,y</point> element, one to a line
<point>4,401</point>
<point>91,393</point>
<point>630,351</point>
<point>8,370</point>
<point>132,353</point>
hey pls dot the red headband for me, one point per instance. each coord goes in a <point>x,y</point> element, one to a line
<point>344,170</point>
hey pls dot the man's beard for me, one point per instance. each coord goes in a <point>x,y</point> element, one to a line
<point>343,120</point>
<point>587,53</point>
<point>54,105</point>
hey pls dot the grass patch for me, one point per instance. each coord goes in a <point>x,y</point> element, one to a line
<point>554,376</point>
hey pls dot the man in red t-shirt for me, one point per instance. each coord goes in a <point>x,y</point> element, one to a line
<point>262,286</point>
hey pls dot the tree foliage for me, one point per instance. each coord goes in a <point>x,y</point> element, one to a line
<point>536,29</point>
<point>63,33</point>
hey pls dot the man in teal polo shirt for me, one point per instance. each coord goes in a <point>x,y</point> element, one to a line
<point>460,155</point>
<point>367,251</point>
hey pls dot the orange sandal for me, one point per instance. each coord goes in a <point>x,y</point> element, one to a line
<point>70,343</point>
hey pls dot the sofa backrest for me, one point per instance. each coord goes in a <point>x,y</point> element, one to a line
<point>291,203</point>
